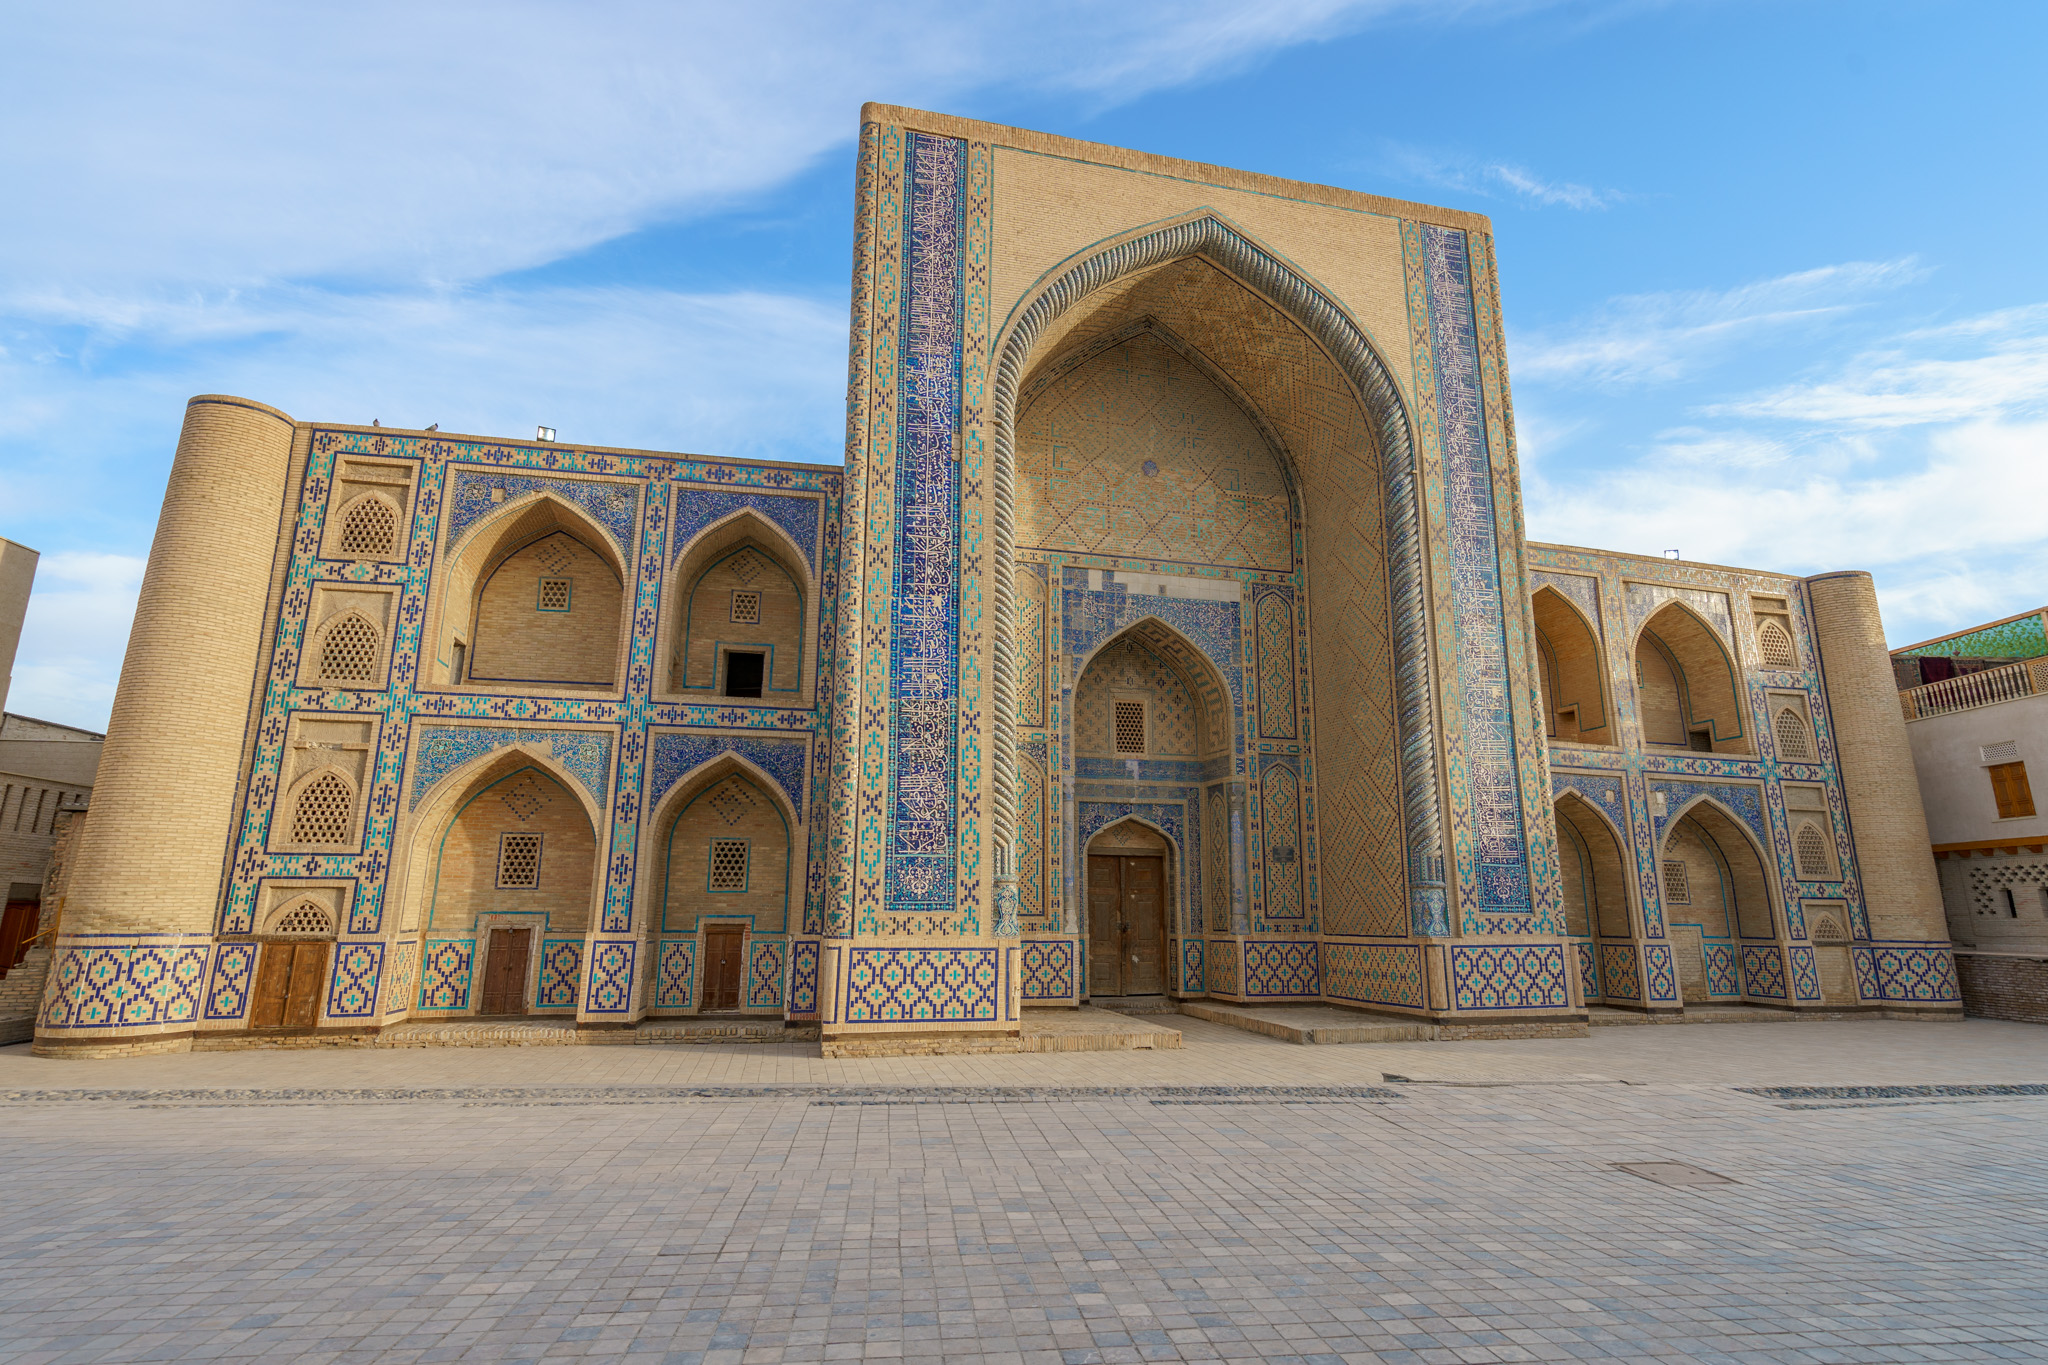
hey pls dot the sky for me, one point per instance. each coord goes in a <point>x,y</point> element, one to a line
<point>1772,272</point>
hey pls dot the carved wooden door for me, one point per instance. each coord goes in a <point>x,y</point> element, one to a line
<point>505,971</point>
<point>724,954</point>
<point>1126,925</point>
<point>289,980</point>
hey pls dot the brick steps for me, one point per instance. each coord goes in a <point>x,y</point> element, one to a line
<point>1311,1025</point>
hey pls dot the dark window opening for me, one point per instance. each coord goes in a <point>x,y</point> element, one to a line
<point>1700,741</point>
<point>743,674</point>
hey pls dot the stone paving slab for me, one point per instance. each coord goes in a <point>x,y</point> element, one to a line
<point>1311,1025</point>
<point>1092,1030</point>
<point>1045,1224</point>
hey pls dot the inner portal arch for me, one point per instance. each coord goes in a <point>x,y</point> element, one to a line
<point>1306,371</point>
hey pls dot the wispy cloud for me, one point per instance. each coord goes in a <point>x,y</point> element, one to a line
<point>1656,337</point>
<point>1493,179</point>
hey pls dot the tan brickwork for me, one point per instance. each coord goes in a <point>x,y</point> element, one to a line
<point>730,807</point>
<point>515,639</point>
<point>464,886</point>
<point>150,857</point>
<point>711,627</point>
<point>1890,828</point>
<point>1570,674</point>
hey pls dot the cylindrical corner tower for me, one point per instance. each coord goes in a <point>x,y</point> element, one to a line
<point>138,914</point>
<point>1900,889</point>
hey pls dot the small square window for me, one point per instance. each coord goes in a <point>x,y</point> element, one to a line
<point>554,594</point>
<point>518,860</point>
<point>746,606</point>
<point>744,673</point>
<point>728,865</point>
<point>1128,717</point>
<point>1677,887</point>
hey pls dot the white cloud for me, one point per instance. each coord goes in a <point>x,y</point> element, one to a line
<point>236,143</point>
<point>74,636</point>
<point>1659,337</point>
<point>1493,179</point>
<point>1561,193</point>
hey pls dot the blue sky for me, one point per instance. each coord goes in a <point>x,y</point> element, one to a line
<point>1773,273</point>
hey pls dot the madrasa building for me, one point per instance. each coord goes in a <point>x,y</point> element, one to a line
<point>1167,631</point>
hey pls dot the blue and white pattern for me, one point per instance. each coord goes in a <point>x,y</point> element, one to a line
<point>611,504</point>
<point>441,749</point>
<point>679,753</point>
<point>697,508</point>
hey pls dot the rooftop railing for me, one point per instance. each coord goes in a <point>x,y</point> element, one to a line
<point>2025,678</point>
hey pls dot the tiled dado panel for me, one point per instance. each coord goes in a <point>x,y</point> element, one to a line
<point>1049,971</point>
<point>1909,973</point>
<point>923,985</point>
<point>1277,968</point>
<point>126,983</point>
<point>1509,976</point>
<point>1374,973</point>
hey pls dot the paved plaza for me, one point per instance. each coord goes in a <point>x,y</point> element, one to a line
<point>1879,1191</point>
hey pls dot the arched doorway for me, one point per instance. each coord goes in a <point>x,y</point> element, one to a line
<point>740,599</point>
<point>723,862</point>
<point>1716,896</point>
<point>1595,884</point>
<point>500,884</point>
<point>1128,889</point>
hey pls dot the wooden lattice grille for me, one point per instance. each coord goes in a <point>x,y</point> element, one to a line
<point>324,812</point>
<point>368,529</point>
<point>518,860</point>
<point>746,606</point>
<point>1793,740</point>
<point>1677,886</point>
<point>728,864</point>
<point>1128,721</point>
<point>554,594</point>
<point>349,651</point>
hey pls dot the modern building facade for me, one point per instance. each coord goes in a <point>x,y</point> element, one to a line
<point>1168,630</point>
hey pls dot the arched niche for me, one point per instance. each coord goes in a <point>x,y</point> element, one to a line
<point>534,595</point>
<point>447,858</point>
<point>1187,712</point>
<point>1571,672</point>
<point>1686,686</point>
<point>1596,901</point>
<point>1306,377</point>
<point>1130,875</point>
<point>740,587</point>
<point>1726,878</point>
<point>690,880</point>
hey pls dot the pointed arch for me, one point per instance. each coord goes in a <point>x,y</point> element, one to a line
<point>1571,671</point>
<point>303,918</point>
<point>1792,735</point>
<point>1381,508</point>
<point>1774,646</point>
<point>369,527</point>
<point>580,646</point>
<point>1596,882</point>
<point>323,810</point>
<point>719,565</point>
<point>1724,860</point>
<point>1206,683</point>
<point>351,651</point>
<point>1686,684</point>
<point>677,850</point>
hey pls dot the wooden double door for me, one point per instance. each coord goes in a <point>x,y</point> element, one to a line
<point>506,959</point>
<point>1126,924</point>
<point>289,979</point>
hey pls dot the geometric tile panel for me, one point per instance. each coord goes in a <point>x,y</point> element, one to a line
<point>901,985</point>
<point>1658,975</point>
<point>1374,973</point>
<point>233,966</point>
<point>1915,972</point>
<point>699,507</point>
<point>1282,968</point>
<point>676,985</point>
<point>610,988</point>
<point>445,975</point>
<point>113,985</point>
<point>353,994</point>
<point>1589,970</point>
<point>1192,980</point>
<point>1221,965</point>
<point>1721,977</point>
<point>1805,980</point>
<point>1048,969</point>
<point>1763,973</point>
<point>1509,977</point>
<point>561,960</point>
<point>1619,976</point>
<point>764,974</point>
<point>803,978</point>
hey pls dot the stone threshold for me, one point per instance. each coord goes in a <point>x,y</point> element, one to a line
<point>1312,1025</point>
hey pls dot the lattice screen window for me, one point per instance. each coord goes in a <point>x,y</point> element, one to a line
<point>1794,741</point>
<point>368,528</point>
<point>324,812</point>
<point>1677,886</point>
<point>1127,720</point>
<point>307,919</point>
<point>746,606</point>
<point>554,594</point>
<point>1827,928</point>
<point>1810,848</point>
<point>728,864</point>
<point>1775,645</point>
<point>518,860</point>
<point>349,651</point>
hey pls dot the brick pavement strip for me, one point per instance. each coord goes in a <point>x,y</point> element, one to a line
<point>1888,1204</point>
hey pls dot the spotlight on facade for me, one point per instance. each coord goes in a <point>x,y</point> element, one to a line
<point>543,433</point>
<point>1668,554</point>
